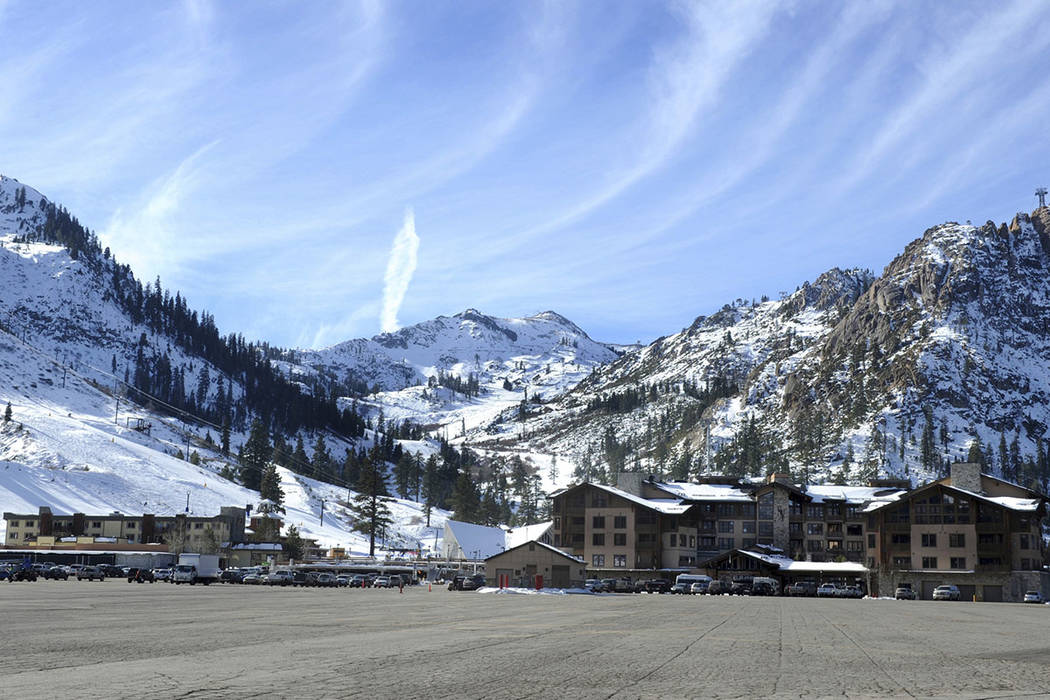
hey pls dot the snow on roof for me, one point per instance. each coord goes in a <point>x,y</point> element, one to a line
<point>552,548</point>
<point>477,541</point>
<point>852,494</point>
<point>704,492</point>
<point>527,533</point>
<point>799,567</point>
<point>667,506</point>
<point>258,546</point>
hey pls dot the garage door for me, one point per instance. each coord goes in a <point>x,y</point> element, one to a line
<point>967,592</point>
<point>927,589</point>
<point>993,594</point>
<point>560,576</point>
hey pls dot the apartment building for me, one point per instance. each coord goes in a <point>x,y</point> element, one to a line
<point>180,531</point>
<point>973,530</point>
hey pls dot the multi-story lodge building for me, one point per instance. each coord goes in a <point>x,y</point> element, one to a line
<point>179,531</point>
<point>643,526</point>
<point>973,530</point>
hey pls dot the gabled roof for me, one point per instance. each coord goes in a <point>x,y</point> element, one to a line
<point>527,533</point>
<point>789,565</point>
<point>704,492</point>
<point>1016,504</point>
<point>480,539</point>
<point>667,506</point>
<point>854,495</point>
<point>575,560</point>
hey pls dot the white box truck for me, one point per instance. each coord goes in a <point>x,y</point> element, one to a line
<point>197,568</point>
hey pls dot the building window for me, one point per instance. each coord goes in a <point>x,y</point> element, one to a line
<point>598,522</point>
<point>725,510</point>
<point>726,543</point>
<point>725,525</point>
<point>708,525</point>
<point>646,538</point>
<point>853,512</point>
<point>765,506</point>
<point>957,539</point>
<point>795,528</point>
<point>854,530</point>
<point>749,542</point>
<point>929,539</point>
<point>834,529</point>
<point>681,540</point>
<point>97,524</point>
<point>958,562</point>
<point>815,512</point>
<point>871,541</point>
<point>765,528</point>
<point>598,560</point>
<point>814,546</point>
<point>814,528</point>
<point>557,523</point>
<point>198,526</point>
<point>672,539</point>
<point>989,538</point>
<point>620,522</point>
<point>990,561</point>
<point>901,562</point>
<point>834,511</point>
<point>645,517</point>
<point>12,535</point>
<point>747,527</point>
<point>599,500</point>
<point>620,560</point>
<point>620,539</point>
<point>795,509</point>
<point>131,526</point>
<point>854,546</point>
<point>577,520</point>
<point>834,545</point>
<point>557,539</point>
<point>707,542</point>
<point>1025,542</point>
<point>929,562</point>
<point>598,539</point>
<point>1026,565</point>
<point>692,541</point>
<point>577,539</point>
<point>14,523</point>
<point>747,510</point>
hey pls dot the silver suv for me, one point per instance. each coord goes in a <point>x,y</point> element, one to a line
<point>946,592</point>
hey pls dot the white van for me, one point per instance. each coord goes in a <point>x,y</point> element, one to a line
<point>686,581</point>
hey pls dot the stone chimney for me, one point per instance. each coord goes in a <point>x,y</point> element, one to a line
<point>631,482</point>
<point>967,476</point>
<point>779,478</point>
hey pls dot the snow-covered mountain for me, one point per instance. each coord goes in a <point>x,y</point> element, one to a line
<point>456,372</point>
<point>848,377</point>
<point>70,351</point>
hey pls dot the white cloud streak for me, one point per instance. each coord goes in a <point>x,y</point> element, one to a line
<point>399,270</point>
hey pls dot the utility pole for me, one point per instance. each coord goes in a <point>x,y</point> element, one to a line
<point>187,501</point>
<point>1041,194</point>
<point>322,512</point>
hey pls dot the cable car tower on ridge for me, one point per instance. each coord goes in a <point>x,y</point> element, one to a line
<point>1041,194</point>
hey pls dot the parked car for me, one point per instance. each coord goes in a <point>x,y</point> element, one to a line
<point>141,576</point>
<point>466,582</point>
<point>111,571</point>
<point>763,588</point>
<point>231,576</point>
<point>657,585</point>
<point>700,587</point>
<point>325,580</point>
<point>851,592</point>
<point>359,581</point>
<point>281,577</point>
<point>946,592</point>
<point>342,580</point>
<point>1033,597</point>
<point>253,579</point>
<point>801,588</point>
<point>162,574</point>
<point>904,593</point>
<point>828,590</point>
<point>24,573</point>
<point>740,588</point>
<point>91,573</point>
<point>609,585</point>
<point>682,588</point>
<point>56,573</point>
<point>717,587</point>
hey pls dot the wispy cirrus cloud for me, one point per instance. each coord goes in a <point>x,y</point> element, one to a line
<point>399,270</point>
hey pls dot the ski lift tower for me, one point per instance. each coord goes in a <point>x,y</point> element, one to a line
<point>1041,194</point>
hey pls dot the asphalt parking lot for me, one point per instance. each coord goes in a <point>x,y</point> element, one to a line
<point>118,640</point>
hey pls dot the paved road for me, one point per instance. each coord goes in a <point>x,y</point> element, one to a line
<point>119,640</point>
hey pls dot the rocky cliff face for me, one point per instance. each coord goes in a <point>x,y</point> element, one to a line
<point>848,377</point>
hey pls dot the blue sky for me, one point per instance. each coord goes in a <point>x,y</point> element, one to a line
<point>630,165</point>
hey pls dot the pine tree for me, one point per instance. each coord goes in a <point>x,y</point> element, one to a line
<point>976,453</point>
<point>322,461</point>
<point>270,484</point>
<point>429,486</point>
<point>299,459</point>
<point>369,508</point>
<point>8,413</point>
<point>293,543</point>
<point>1004,456</point>
<point>403,475</point>
<point>466,502</point>
<point>225,438</point>
<point>255,455</point>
